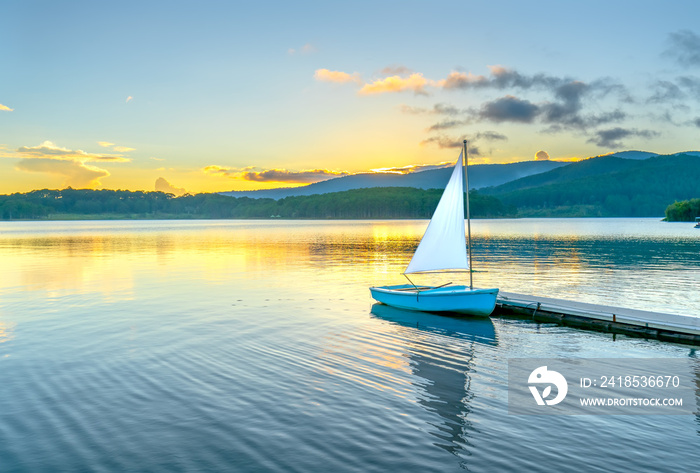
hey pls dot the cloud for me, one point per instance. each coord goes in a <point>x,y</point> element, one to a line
<point>500,78</point>
<point>691,84</point>
<point>415,83</point>
<point>401,80</point>
<point>563,110</point>
<point>324,75</point>
<point>446,124</point>
<point>685,48</point>
<point>676,92</point>
<point>445,109</point>
<point>696,122</point>
<point>164,186</point>
<point>443,142</point>
<point>76,174</point>
<point>491,136</point>
<point>50,150</point>
<point>105,144</point>
<point>71,164</point>
<point>612,137</point>
<point>569,96</point>
<point>411,168</point>
<point>215,170</point>
<point>541,156</point>
<point>462,80</point>
<point>563,113</point>
<point>129,99</point>
<point>666,91</point>
<point>6,108</point>
<point>438,109</point>
<point>273,175</point>
<point>282,175</point>
<point>509,108</point>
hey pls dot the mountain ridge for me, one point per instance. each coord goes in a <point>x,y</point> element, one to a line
<point>481,176</point>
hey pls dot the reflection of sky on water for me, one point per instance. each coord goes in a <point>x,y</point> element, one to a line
<point>637,263</point>
<point>441,353</point>
<point>248,343</point>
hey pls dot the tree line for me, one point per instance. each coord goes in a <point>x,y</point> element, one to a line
<point>684,211</point>
<point>371,203</point>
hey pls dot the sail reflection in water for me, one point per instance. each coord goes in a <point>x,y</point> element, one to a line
<point>441,352</point>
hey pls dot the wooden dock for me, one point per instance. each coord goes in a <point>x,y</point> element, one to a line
<point>656,325</point>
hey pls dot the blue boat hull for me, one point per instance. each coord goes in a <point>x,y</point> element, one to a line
<point>458,299</point>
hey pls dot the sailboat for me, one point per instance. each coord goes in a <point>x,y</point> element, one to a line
<point>443,248</point>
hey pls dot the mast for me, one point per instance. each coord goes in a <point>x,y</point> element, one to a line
<point>469,226</point>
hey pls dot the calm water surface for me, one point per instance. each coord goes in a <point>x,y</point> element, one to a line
<point>255,346</point>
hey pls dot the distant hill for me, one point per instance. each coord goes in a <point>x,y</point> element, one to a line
<point>480,175</point>
<point>689,153</point>
<point>647,154</point>
<point>607,186</point>
<point>633,154</point>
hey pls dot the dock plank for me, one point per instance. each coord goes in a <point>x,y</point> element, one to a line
<point>619,317</point>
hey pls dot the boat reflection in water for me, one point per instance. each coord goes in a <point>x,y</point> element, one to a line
<point>441,353</point>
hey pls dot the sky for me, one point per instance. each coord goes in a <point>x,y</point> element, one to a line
<point>216,96</point>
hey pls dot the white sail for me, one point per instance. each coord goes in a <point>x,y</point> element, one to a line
<point>443,246</point>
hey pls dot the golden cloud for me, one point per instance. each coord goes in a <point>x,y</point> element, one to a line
<point>415,83</point>
<point>339,77</point>
<point>49,150</point>
<point>105,144</point>
<point>76,173</point>
<point>71,164</point>
<point>215,170</point>
<point>6,108</point>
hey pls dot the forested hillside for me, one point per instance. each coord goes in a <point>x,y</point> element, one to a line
<point>605,187</point>
<point>397,202</point>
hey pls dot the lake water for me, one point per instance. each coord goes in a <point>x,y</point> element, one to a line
<point>255,346</point>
